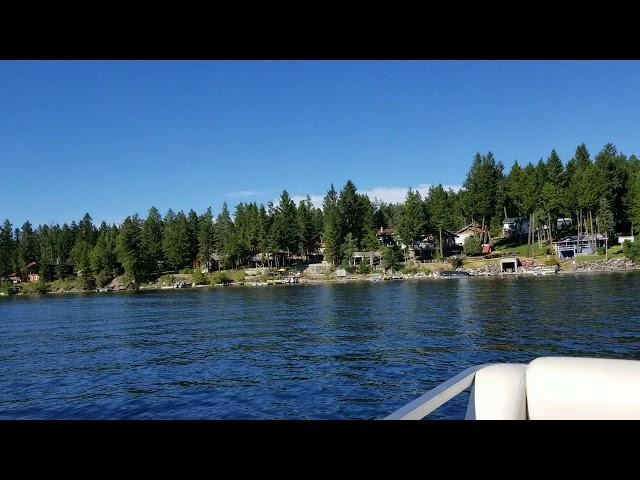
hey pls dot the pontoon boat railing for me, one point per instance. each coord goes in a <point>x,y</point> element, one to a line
<point>427,403</point>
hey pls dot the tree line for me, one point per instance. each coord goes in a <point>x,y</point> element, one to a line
<point>605,188</point>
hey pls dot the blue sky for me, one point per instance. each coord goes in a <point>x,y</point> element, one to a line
<point>113,138</point>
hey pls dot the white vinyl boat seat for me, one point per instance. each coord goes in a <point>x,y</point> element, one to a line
<point>548,388</point>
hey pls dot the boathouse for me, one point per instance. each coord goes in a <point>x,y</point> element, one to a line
<point>509,265</point>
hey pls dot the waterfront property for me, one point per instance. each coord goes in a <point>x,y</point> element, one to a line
<point>621,238</point>
<point>468,231</point>
<point>574,245</point>
<point>388,237</point>
<point>367,257</point>
<point>509,265</point>
<point>514,226</point>
<point>32,272</point>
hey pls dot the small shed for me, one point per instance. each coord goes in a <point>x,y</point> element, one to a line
<point>509,265</point>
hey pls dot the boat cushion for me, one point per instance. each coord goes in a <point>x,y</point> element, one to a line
<point>583,388</point>
<point>499,392</point>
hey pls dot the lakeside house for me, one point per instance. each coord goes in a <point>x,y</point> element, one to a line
<point>389,237</point>
<point>621,238</point>
<point>15,278</point>
<point>473,229</point>
<point>368,257</point>
<point>515,226</point>
<point>32,272</point>
<point>572,245</point>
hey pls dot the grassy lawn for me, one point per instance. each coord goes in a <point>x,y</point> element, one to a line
<point>614,252</point>
<point>471,262</point>
<point>509,245</point>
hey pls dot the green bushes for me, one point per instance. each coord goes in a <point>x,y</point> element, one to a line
<point>409,270</point>
<point>102,279</point>
<point>166,280</point>
<point>363,269</point>
<point>472,245</point>
<point>185,271</point>
<point>631,250</point>
<point>8,288</point>
<point>455,262</point>
<point>199,278</point>
<point>550,262</point>
<point>600,251</point>
<point>218,278</point>
<point>36,287</point>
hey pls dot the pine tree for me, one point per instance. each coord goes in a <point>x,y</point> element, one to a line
<point>413,220</point>
<point>206,238</point>
<point>151,237</point>
<point>7,248</point>
<point>331,230</point>
<point>176,240</point>
<point>129,248</point>
<point>439,211</point>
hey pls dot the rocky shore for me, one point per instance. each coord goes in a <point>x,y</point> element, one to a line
<point>489,270</point>
<point>611,265</point>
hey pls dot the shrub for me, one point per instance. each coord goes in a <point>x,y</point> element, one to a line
<point>167,280</point>
<point>363,268</point>
<point>392,258</point>
<point>550,262</point>
<point>185,271</point>
<point>472,245</point>
<point>219,278</point>
<point>600,251</point>
<point>102,279</point>
<point>8,288</point>
<point>632,250</point>
<point>36,287</point>
<point>199,278</point>
<point>409,270</point>
<point>455,262</point>
<point>85,283</point>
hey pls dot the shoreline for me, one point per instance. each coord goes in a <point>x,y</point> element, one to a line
<point>338,281</point>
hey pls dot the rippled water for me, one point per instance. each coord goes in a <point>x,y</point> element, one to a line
<point>318,352</point>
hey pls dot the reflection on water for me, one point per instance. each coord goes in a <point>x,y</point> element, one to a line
<point>327,351</point>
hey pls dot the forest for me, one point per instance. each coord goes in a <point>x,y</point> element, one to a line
<point>604,189</point>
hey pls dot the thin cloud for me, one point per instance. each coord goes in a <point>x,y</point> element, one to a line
<point>386,194</point>
<point>244,193</point>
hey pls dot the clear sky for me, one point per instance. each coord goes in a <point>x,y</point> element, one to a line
<point>114,138</point>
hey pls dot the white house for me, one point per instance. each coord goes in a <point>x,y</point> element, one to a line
<point>468,231</point>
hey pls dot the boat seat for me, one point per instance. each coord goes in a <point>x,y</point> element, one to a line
<point>551,388</point>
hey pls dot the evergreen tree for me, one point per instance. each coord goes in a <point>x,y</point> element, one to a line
<point>206,238</point>
<point>129,248</point>
<point>225,235</point>
<point>176,240</point>
<point>439,211</point>
<point>331,231</point>
<point>151,238</point>
<point>80,257</point>
<point>27,247</point>
<point>7,248</point>
<point>413,220</point>
<point>606,221</point>
<point>86,230</point>
<point>193,222</point>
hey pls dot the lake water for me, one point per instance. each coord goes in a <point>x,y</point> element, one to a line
<point>345,351</point>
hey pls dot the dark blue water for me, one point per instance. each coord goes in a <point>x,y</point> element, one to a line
<point>295,352</point>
